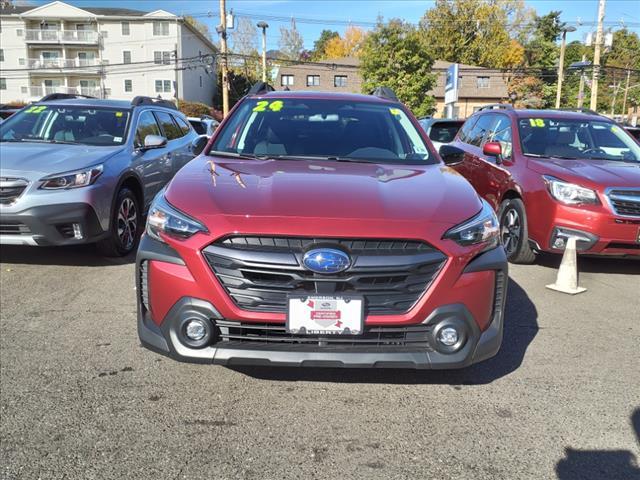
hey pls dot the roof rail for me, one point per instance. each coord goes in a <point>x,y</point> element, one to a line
<point>158,102</point>
<point>496,106</point>
<point>385,92</point>
<point>579,110</point>
<point>260,87</point>
<point>62,96</point>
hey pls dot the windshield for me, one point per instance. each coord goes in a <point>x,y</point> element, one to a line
<point>322,129</point>
<point>444,132</point>
<point>66,124</point>
<point>577,139</point>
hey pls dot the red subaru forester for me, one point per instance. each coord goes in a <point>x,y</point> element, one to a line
<point>552,174</point>
<point>321,230</point>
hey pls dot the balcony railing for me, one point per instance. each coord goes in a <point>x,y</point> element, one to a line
<point>53,63</point>
<point>62,36</point>
<point>40,91</point>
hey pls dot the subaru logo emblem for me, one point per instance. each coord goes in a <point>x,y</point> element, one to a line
<point>326,260</point>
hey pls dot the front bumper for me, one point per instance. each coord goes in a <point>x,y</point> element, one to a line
<point>164,337</point>
<point>51,225</point>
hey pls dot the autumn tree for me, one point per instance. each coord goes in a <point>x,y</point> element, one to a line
<point>291,42</point>
<point>320,44</point>
<point>244,42</point>
<point>349,46</point>
<point>198,25</point>
<point>394,55</point>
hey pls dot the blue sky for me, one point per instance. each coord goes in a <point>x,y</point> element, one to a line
<point>364,11</point>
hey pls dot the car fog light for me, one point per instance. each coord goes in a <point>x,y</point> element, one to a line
<point>77,231</point>
<point>448,336</point>
<point>196,330</point>
<point>559,243</point>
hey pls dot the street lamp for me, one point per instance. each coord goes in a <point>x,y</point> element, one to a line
<point>580,66</point>
<point>561,65</point>
<point>264,26</point>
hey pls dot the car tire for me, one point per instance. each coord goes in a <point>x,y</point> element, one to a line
<point>514,233</point>
<point>125,226</point>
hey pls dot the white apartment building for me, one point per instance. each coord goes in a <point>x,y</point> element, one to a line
<point>113,53</point>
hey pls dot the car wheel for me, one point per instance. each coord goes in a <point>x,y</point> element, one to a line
<point>513,232</point>
<point>125,226</point>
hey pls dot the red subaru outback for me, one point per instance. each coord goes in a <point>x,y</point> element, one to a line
<point>552,174</point>
<point>321,230</point>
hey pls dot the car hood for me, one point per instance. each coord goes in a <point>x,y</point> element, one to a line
<point>596,174</point>
<point>39,159</point>
<point>209,187</point>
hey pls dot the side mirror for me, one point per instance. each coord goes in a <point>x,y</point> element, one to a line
<point>198,145</point>
<point>492,149</point>
<point>451,155</point>
<point>154,141</point>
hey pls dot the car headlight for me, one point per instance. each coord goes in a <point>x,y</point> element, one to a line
<point>482,228</point>
<point>75,179</point>
<point>569,193</point>
<point>166,219</point>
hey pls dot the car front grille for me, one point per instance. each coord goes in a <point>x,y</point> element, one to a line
<point>11,189</point>
<point>625,202</point>
<point>232,334</point>
<point>14,228</point>
<point>259,273</point>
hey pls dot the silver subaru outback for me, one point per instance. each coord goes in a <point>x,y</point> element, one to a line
<point>79,170</point>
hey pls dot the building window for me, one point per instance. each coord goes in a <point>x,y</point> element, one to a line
<point>3,83</point>
<point>163,86</point>
<point>339,80</point>
<point>126,56</point>
<point>313,80</point>
<point>19,32</point>
<point>160,29</point>
<point>482,82</point>
<point>162,57</point>
<point>1,55</point>
<point>286,80</point>
<point>128,86</point>
<point>200,81</point>
<point>126,28</point>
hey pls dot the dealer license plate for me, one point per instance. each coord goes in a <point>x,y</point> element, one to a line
<point>325,315</point>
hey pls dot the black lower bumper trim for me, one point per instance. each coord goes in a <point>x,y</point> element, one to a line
<point>51,224</point>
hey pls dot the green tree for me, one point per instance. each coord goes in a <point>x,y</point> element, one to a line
<point>395,55</point>
<point>319,45</point>
<point>472,31</point>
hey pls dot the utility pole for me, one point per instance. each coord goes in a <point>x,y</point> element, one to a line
<point>596,57</point>
<point>177,74</point>
<point>561,63</point>
<point>626,91</point>
<point>223,50</point>
<point>264,26</point>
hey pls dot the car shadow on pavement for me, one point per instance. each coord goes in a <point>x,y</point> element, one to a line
<point>77,255</point>
<point>521,327</point>
<point>601,264</point>
<point>601,464</point>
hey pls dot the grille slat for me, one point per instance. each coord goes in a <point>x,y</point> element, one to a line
<point>11,189</point>
<point>259,273</point>
<point>14,228</point>
<point>236,333</point>
<point>625,202</point>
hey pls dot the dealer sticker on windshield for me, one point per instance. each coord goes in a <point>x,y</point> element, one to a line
<point>325,315</point>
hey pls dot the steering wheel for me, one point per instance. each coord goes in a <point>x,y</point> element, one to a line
<point>597,150</point>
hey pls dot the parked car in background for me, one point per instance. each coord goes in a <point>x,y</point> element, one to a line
<point>78,170</point>
<point>441,130</point>
<point>321,229</point>
<point>204,125</point>
<point>553,174</point>
<point>634,131</point>
<point>7,110</point>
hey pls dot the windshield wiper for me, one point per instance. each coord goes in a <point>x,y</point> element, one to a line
<point>243,156</point>
<point>42,140</point>
<point>313,157</point>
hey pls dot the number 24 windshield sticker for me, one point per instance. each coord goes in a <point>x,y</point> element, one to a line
<point>263,105</point>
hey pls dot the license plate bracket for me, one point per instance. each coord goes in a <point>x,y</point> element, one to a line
<point>325,315</point>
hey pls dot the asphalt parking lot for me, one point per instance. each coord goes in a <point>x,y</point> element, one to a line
<point>81,399</point>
